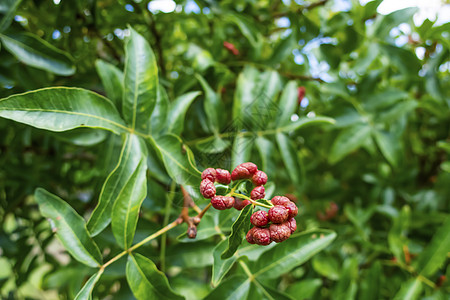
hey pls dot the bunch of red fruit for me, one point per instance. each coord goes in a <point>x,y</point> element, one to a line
<point>282,226</point>
<point>246,170</point>
<point>275,225</point>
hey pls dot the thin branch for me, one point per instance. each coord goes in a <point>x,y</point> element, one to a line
<point>302,77</point>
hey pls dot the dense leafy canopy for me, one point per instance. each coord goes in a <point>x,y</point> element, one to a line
<point>109,107</point>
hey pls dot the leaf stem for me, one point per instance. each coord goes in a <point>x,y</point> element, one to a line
<point>251,200</point>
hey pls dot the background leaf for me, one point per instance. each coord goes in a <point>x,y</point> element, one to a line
<point>36,52</point>
<point>112,80</point>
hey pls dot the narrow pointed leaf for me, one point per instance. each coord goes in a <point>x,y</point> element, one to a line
<point>9,15</point>
<point>70,228</point>
<point>125,211</point>
<point>244,96</point>
<point>146,281</point>
<point>288,103</point>
<point>349,140</point>
<point>177,161</point>
<point>389,146</point>
<point>86,291</point>
<point>294,252</point>
<point>436,252</point>
<point>290,158</point>
<point>221,266</point>
<point>159,114</point>
<point>235,287</point>
<point>112,80</point>
<point>177,112</point>
<point>61,109</point>
<point>242,148</point>
<point>212,104</point>
<point>411,290</point>
<point>140,82</point>
<point>303,122</point>
<point>36,52</point>
<point>133,151</point>
<point>238,231</point>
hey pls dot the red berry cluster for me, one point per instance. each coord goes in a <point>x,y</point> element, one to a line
<point>246,170</point>
<point>283,223</point>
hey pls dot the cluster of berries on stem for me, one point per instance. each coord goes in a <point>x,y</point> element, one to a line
<point>274,225</point>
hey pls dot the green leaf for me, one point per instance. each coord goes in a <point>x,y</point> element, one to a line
<point>349,140</point>
<point>397,237</point>
<point>267,292</point>
<point>140,82</point>
<point>389,146</point>
<point>244,96</point>
<point>326,266</point>
<point>125,211</point>
<point>70,228</point>
<point>36,52</point>
<point>159,114</point>
<point>370,286</point>
<point>266,150</point>
<point>435,254</point>
<point>304,289</point>
<point>410,290</point>
<point>242,148</point>
<point>238,231</point>
<point>146,281</point>
<point>177,112</point>
<point>235,287</point>
<point>112,80</point>
<point>61,109</point>
<point>175,156</point>
<point>9,15</point>
<point>86,292</point>
<point>288,103</point>
<point>303,122</point>
<point>133,151</point>
<point>290,159</point>
<point>212,104</point>
<point>295,251</point>
<point>346,287</point>
<point>221,266</point>
<point>384,24</point>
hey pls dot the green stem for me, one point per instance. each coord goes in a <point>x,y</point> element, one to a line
<point>165,222</point>
<point>251,200</point>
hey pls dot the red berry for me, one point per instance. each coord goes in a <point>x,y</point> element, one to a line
<point>301,94</point>
<point>260,178</point>
<point>292,209</point>
<point>260,218</point>
<point>209,174</point>
<point>230,47</point>
<point>261,236</point>
<point>278,214</point>
<point>279,232</point>
<point>222,202</point>
<point>258,193</point>
<point>249,236</point>
<point>239,204</point>
<point>244,171</point>
<point>292,224</point>
<point>207,188</point>
<point>280,200</point>
<point>223,176</point>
